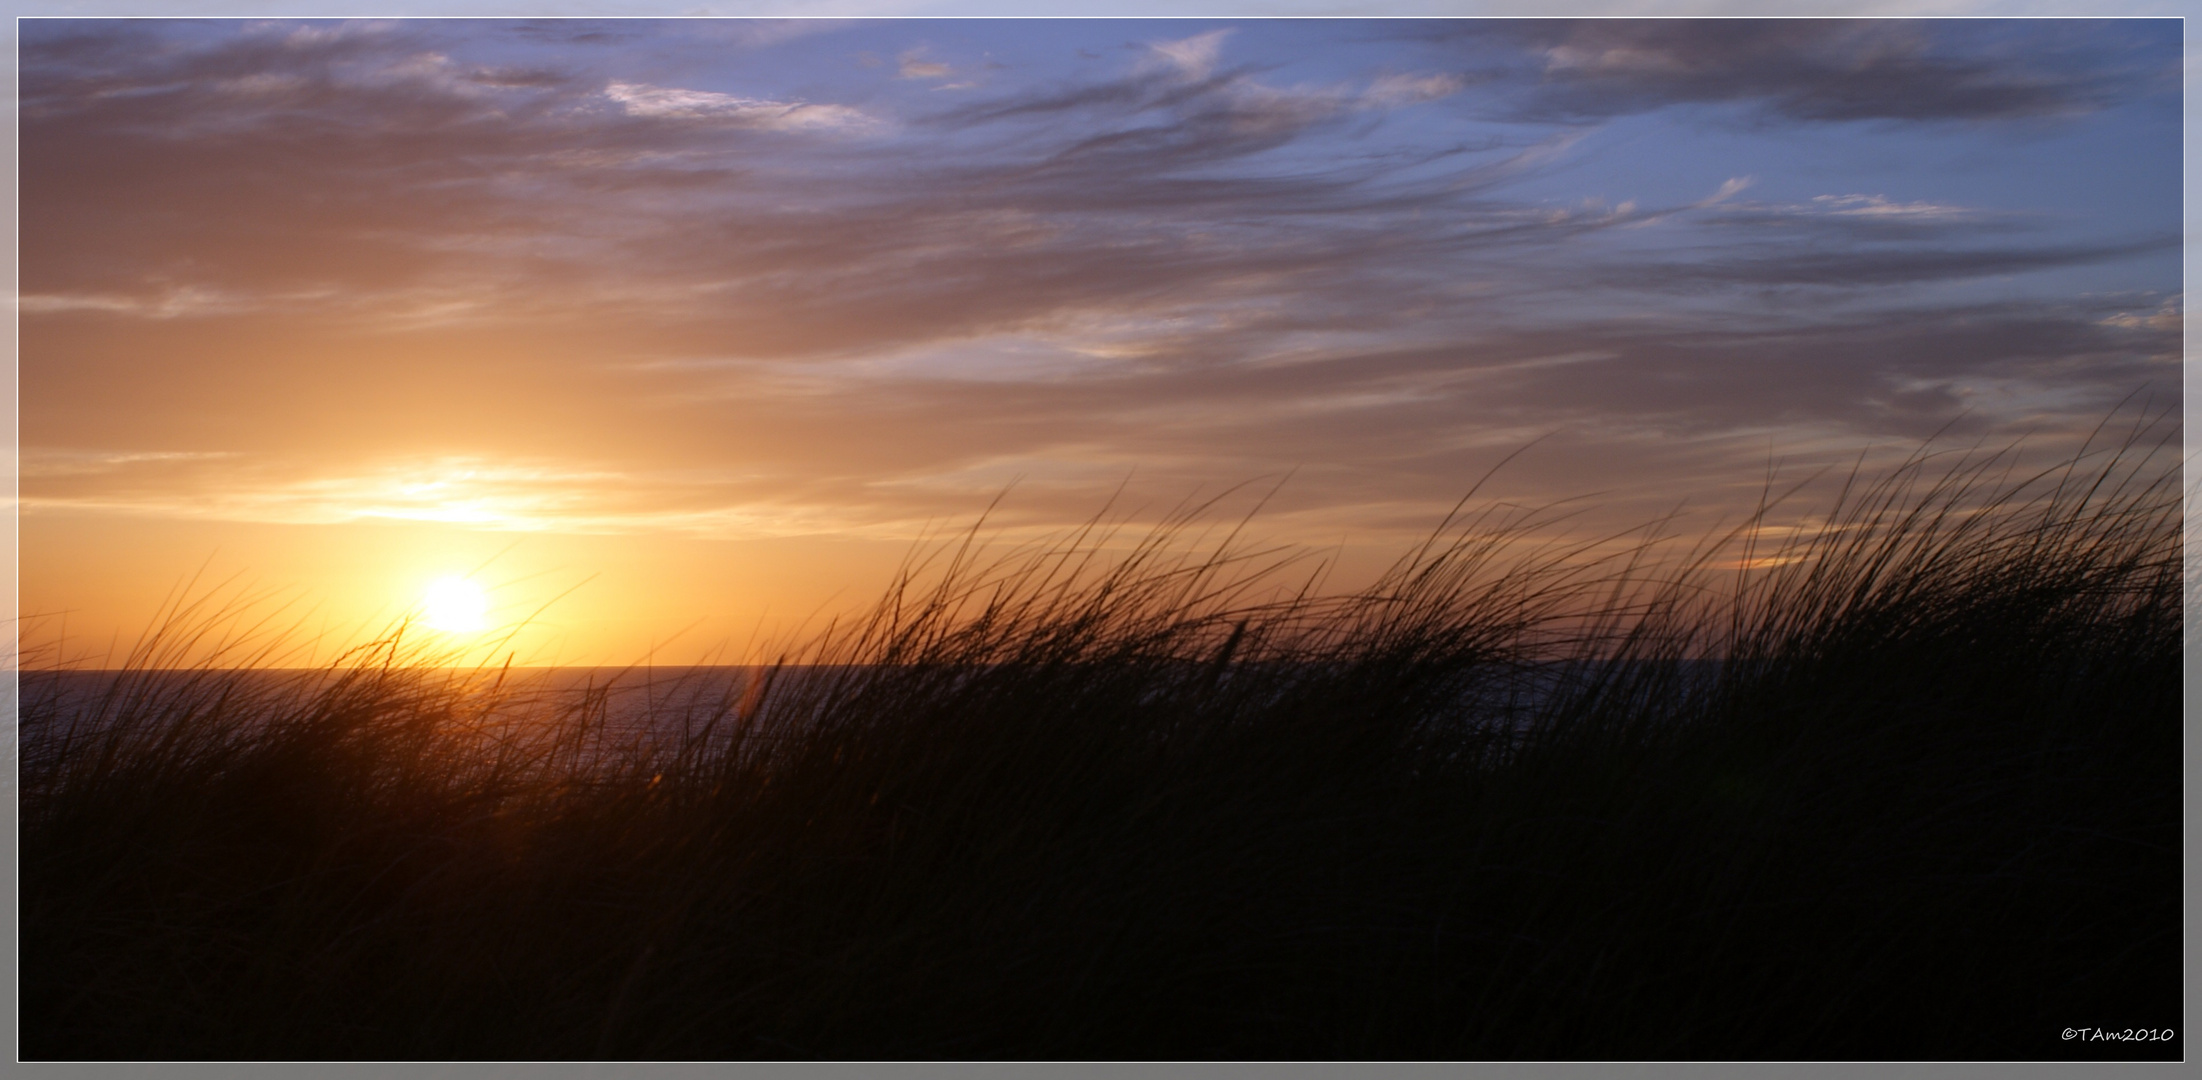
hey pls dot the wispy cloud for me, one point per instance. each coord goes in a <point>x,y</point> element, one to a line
<point>1872,268</point>
<point>475,492</point>
<point>1396,90</point>
<point>1193,58</point>
<point>669,103</point>
<point>1810,70</point>
<point>39,463</point>
<point>913,65</point>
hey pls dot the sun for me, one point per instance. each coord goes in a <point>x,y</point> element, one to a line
<point>455,605</point>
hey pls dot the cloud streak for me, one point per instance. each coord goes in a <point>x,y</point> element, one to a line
<point>671,104</point>
<point>1813,70</point>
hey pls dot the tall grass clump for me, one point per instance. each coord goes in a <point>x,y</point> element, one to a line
<point>1900,783</point>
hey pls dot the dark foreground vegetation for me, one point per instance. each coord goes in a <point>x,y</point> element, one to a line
<point>1065,803</point>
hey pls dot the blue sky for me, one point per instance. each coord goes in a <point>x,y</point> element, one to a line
<point>731,279</point>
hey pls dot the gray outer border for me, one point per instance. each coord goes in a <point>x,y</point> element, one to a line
<point>9,544</point>
<point>1091,1070</point>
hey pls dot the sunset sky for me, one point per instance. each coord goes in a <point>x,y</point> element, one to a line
<point>708,321</point>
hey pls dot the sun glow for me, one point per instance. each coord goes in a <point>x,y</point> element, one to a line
<point>455,605</point>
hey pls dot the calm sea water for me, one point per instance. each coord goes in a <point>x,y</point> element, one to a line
<point>625,707</point>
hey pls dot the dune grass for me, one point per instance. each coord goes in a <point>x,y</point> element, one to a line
<point>1166,798</point>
